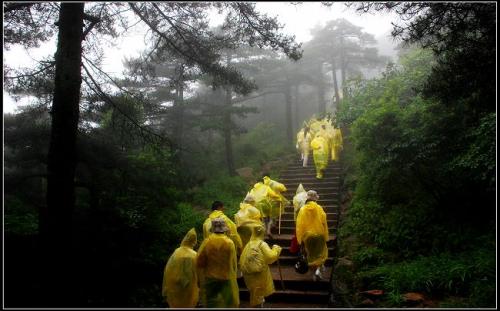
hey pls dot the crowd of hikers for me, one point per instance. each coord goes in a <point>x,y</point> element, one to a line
<point>323,138</point>
<point>208,277</point>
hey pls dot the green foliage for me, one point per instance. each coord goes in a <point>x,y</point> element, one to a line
<point>260,145</point>
<point>465,274</point>
<point>19,218</point>
<point>422,172</point>
<point>230,190</point>
<point>369,255</point>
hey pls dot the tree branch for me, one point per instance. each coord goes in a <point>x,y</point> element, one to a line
<point>238,100</point>
<point>51,64</point>
<point>16,6</point>
<point>93,20</point>
<point>108,99</point>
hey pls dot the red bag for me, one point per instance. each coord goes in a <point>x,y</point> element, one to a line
<point>294,245</point>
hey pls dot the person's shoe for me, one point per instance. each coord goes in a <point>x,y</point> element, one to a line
<point>318,274</point>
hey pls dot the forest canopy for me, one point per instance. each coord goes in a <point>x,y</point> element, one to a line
<point>107,172</point>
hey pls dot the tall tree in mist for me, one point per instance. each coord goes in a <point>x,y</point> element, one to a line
<point>345,48</point>
<point>190,40</point>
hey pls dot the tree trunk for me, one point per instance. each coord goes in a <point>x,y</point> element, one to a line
<point>343,66</point>
<point>296,112</point>
<point>335,84</point>
<point>321,91</point>
<point>56,217</point>
<point>289,122</point>
<point>227,133</point>
<point>179,111</point>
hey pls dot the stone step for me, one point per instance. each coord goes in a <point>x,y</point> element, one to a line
<point>312,185</point>
<point>308,170</point>
<point>326,194</point>
<point>291,230</point>
<point>324,189</point>
<point>286,252</point>
<point>311,164</point>
<point>272,304</point>
<point>292,259</point>
<point>294,280</point>
<point>291,222</point>
<point>310,178</point>
<point>288,215</point>
<point>304,298</point>
<point>284,240</point>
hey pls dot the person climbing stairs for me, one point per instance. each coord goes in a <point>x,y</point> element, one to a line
<point>300,290</point>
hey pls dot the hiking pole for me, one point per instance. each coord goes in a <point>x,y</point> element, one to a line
<point>279,223</point>
<point>281,275</point>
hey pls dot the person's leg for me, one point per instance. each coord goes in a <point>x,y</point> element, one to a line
<point>304,163</point>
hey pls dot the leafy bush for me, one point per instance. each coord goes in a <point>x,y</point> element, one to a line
<point>264,143</point>
<point>19,218</point>
<point>466,274</point>
<point>231,190</point>
<point>369,256</point>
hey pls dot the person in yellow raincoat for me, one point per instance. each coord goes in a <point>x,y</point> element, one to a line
<point>269,202</point>
<point>180,280</point>
<point>314,126</point>
<point>254,263</point>
<point>312,232</point>
<point>336,145</point>
<point>278,188</point>
<point>304,138</point>
<point>218,212</point>
<point>319,146</point>
<point>217,266</point>
<point>247,218</point>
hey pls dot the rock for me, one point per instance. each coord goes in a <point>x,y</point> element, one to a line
<point>413,297</point>
<point>367,303</point>
<point>344,262</point>
<point>246,173</point>
<point>373,292</point>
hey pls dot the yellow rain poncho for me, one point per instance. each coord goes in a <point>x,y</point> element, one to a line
<point>319,146</point>
<point>304,141</point>
<point>278,188</point>
<point>312,230</point>
<point>246,219</point>
<point>267,201</point>
<point>180,280</point>
<point>217,265</point>
<point>315,125</point>
<point>299,200</point>
<point>336,145</point>
<point>254,263</point>
<point>232,233</point>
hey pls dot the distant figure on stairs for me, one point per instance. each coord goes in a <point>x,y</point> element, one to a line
<point>319,146</point>
<point>180,280</point>
<point>217,267</point>
<point>304,144</point>
<point>254,263</point>
<point>312,232</point>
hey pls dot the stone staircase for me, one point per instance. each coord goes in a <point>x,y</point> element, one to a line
<point>300,291</point>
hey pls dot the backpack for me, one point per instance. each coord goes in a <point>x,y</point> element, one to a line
<point>252,259</point>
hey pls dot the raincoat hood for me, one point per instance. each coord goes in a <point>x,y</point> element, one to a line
<point>258,233</point>
<point>190,239</point>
